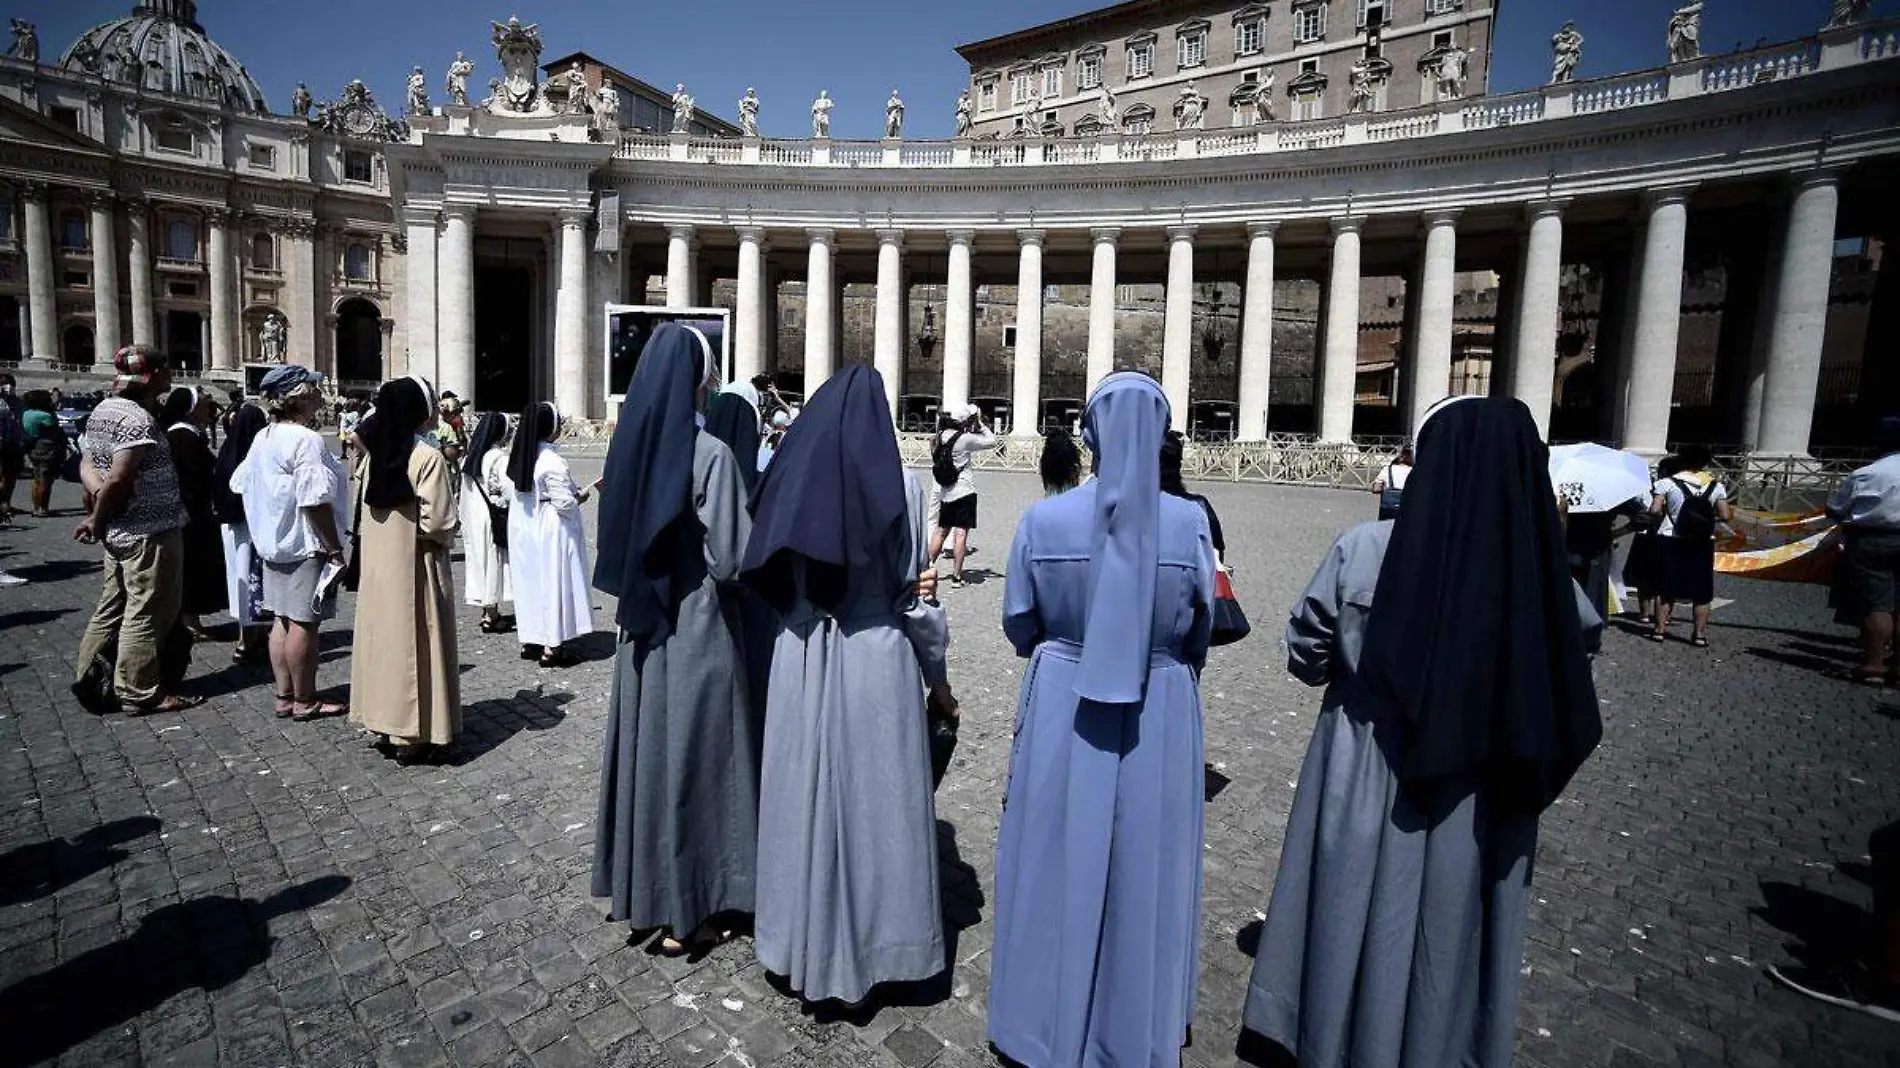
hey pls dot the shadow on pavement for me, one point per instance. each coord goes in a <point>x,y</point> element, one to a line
<point>32,617</point>
<point>1825,930</point>
<point>209,942</point>
<point>33,871</point>
<point>487,724</point>
<point>56,570</point>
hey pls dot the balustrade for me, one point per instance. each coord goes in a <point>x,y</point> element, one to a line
<point>1761,65</point>
<point>1615,94</point>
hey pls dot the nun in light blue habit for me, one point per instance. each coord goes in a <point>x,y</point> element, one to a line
<point>1098,864</point>
<point>679,788</point>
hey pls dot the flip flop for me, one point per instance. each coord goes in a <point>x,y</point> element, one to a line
<point>309,710</point>
<point>286,706</point>
<point>176,702</point>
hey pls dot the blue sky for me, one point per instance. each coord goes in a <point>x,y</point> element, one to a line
<point>858,49</point>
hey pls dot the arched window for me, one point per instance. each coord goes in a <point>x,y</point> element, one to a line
<point>263,253</point>
<point>359,342</point>
<point>181,240</point>
<point>72,231</point>
<point>356,263</point>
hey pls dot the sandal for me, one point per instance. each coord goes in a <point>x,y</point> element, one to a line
<point>286,705</point>
<point>309,710</point>
<point>1699,642</point>
<point>558,658</point>
<point>175,702</point>
<point>488,626</point>
<point>1657,636</point>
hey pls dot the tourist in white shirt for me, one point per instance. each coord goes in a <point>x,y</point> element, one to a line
<point>296,508</point>
<point>960,436</point>
<point>1685,541</point>
<point>1868,507</point>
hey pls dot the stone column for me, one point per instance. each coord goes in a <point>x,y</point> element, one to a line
<point>139,236</point>
<point>1652,381</point>
<point>1625,327</point>
<point>1431,365</point>
<point>681,247</point>
<point>1101,358</point>
<point>300,277</point>
<point>1793,380</point>
<point>1256,334</point>
<point>1534,355</point>
<point>820,305</point>
<point>1340,373</point>
<point>887,351</point>
<point>748,341</point>
<point>1755,375</point>
<point>42,306</point>
<point>959,326</point>
<point>107,329</point>
<point>455,286</point>
<point>1025,408</point>
<point>570,316</point>
<point>225,355</point>
<point>419,265</point>
<point>1177,327</point>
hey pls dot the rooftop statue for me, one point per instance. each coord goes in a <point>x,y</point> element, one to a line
<point>749,113</point>
<point>1685,33</point>
<point>26,41</point>
<point>518,48</point>
<point>821,114</point>
<point>894,115</point>
<point>1849,12</point>
<point>1566,54</point>
<point>683,109</point>
<point>418,99</point>
<point>458,79</point>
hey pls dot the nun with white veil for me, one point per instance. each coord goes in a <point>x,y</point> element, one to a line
<point>484,507</point>
<point>547,543</point>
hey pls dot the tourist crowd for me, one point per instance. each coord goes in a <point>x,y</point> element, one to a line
<point>781,705</point>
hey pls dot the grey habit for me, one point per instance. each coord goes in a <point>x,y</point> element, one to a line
<point>847,824</point>
<point>1395,935</point>
<point>679,790</point>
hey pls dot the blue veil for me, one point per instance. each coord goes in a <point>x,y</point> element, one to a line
<point>1123,425</point>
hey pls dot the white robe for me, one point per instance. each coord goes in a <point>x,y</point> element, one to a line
<point>485,582</point>
<point>547,557</point>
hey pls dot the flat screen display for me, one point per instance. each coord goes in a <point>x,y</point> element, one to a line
<point>630,325</point>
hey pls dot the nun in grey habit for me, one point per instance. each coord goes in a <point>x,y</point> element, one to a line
<point>847,825</point>
<point>679,789</point>
<point>1458,705</point>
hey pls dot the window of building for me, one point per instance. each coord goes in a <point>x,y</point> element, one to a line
<point>1374,49</point>
<point>1442,39</point>
<point>263,253</point>
<point>75,279</point>
<point>72,231</point>
<point>1088,72</point>
<point>1372,14</point>
<point>181,240</point>
<point>356,263</point>
<point>65,116</point>
<point>1051,83</point>
<point>174,139</point>
<point>356,165</point>
<point>1193,49</point>
<point>187,290</point>
<point>1009,337</point>
<point>1309,66</point>
<point>1141,60</point>
<point>263,157</point>
<point>1309,24</point>
<point>1139,120</point>
<point>1022,85</point>
<point>986,96</point>
<point>1307,106</point>
<point>1248,37</point>
<point>1442,7</point>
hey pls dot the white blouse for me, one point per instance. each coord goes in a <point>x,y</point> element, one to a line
<point>287,470</point>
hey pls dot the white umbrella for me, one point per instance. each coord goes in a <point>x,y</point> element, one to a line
<point>1597,478</point>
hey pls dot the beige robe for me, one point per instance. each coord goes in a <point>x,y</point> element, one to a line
<point>405,675</point>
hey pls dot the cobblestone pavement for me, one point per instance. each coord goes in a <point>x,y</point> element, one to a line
<point>222,887</point>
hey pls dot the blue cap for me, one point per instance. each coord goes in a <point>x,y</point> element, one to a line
<point>286,378</point>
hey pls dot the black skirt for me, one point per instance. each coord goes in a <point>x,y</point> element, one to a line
<point>959,514</point>
<point>1685,569</point>
<point>1639,570</point>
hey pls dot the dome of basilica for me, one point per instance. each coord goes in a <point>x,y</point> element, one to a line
<point>161,47</point>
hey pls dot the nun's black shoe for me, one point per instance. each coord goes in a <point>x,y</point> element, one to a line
<point>530,652</point>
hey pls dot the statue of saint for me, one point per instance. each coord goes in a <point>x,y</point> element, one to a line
<point>821,114</point>
<point>579,96</point>
<point>963,113</point>
<point>894,116</point>
<point>1263,99</point>
<point>1566,54</point>
<point>607,104</point>
<point>1106,108</point>
<point>458,80</point>
<point>1362,89</point>
<point>273,338</point>
<point>300,101</point>
<point>418,92</point>
<point>1849,12</point>
<point>1685,33</point>
<point>1190,109</point>
<point>683,109</point>
<point>749,113</point>
<point>1452,72</point>
<point>26,41</point>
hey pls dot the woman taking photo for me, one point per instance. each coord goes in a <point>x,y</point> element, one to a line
<point>296,509</point>
<point>243,570</point>
<point>547,544</point>
<point>405,677</point>
<point>187,417</point>
<point>484,506</point>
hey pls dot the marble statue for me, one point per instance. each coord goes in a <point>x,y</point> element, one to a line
<point>86,54</point>
<point>273,338</point>
<point>749,113</point>
<point>458,80</point>
<point>894,115</point>
<point>1566,54</point>
<point>579,97</point>
<point>1685,33</point>
<point>683,109</point>
<point>518,48</point>
<point>26,41</point>
<point>1362,90</point>
<point>1849,12</point>
<point>963,113</point>
<point>1263,99</point>
<point>1110,113</point>
<point>607,104</point>
<point>821,114</point>
<point>418,92</point>
<point>1452,72</point>
<point>1190,109</point>
<point>301,101</point>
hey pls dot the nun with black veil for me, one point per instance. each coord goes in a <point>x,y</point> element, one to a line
<point>547,542</point>
<point>1396,932</point>
<point>847,824</point>
<point>243,568</point>
<point>675,844</point>
<point>484,504</point>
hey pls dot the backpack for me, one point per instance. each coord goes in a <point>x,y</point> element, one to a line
<point>1695,520</point>
<point>943,462</point>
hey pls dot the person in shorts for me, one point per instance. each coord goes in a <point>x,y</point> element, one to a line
<point>960,436</point>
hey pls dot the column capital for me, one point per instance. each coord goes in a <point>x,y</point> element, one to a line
<point>1348,224</point>
<point>34,192</point>
<point>1105,235</point>
<point>136,207</point>
<point>754,234</point>
<point>1034,236</point>
<point>458,212</point>
<point>962,237</point>
<point>1815,176</point>
<point>1442,217</point>
<point>418,216</point>
<point>101,200</point>
<point>1538,209</point>
<point>1664,195</point>
<point>682,231</point>
<point>218,217</point>
<point>1269,228</point>
<point>1183,232</point>
<point>575,218</point>
<point>891,237</point>
<point>821,235</point>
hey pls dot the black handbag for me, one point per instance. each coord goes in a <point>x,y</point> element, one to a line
<point>943,739</point>
<point>352,575</point>
<point>1230,623</point>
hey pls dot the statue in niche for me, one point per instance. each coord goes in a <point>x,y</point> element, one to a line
<point>1685,33</point>
<point>579,96</point>
<point>273,338</point>
<point>301,101</point>
<point>821,115</point>
<point>26,41</point>
<point>1190,109</point>
<point>682,109</point>
<point>518,48</point>
<point>458,79</point>
<point>607,104</point>
<point>749,113</point>
<point>418,92</point>
<point>894,116</point>
<point>1566,54</point>
<point>1263,99</point>
<point>963,113</point>
<point>86,54</point>
<point>1452,73</point>
<point>1364,94</point>
<point>1849,12</point>
<point>1108,110</point>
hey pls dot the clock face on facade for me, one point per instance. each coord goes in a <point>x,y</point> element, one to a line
<point>360,121</point>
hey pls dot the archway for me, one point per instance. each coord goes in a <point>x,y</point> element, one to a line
<point>75,345</point>
<point>359,341</point>
<point>11,343</point>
